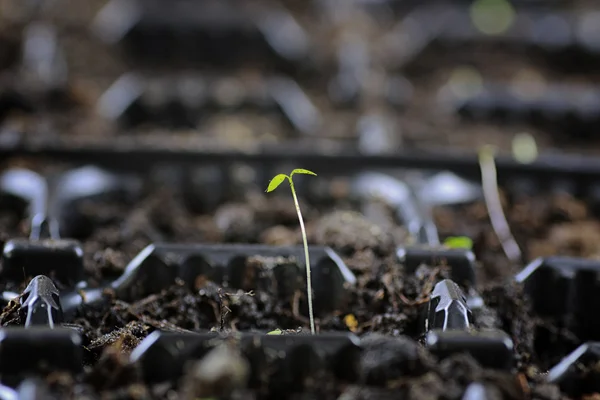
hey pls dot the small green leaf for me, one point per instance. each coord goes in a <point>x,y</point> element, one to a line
<point>275,332</point>
<point>459,242</point>
<point>302,171</point>
<point>276,181</point>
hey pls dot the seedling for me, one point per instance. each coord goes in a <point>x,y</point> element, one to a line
<point>489,181</point>
<point>275,182</point>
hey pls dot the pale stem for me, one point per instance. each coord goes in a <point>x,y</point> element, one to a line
<point>494,205</point>
<point>307,260</point>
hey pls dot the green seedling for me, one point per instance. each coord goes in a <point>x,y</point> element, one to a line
<point>275,182</point>
<point>459,242</point>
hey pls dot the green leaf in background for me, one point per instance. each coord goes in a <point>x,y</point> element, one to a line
<point>459,242</point>
<point>275,332</point>
<point>276,181</point>
<point>492,17</point>
<point>524,148</point>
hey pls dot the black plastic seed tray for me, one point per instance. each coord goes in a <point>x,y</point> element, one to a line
<point>241,267</point>
<point>461,262</point>
<point>62,259</point>
<point>36,351</point>
<point>449,330</point>
<point>572,110</point>
<point>558,33</point>
<point>163,356</point>
<point>279,270</point>
<point>449,326</point>
<point>48,199</point>
<point>182,101</point>
<point>576,374</point>
<point>565,39</point>
<point>565,288</point>
<point>580,171</point>
<point>42,70</point>
<point>190,32</point>
<point>492,349</point>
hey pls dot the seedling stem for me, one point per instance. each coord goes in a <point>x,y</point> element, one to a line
<point>275,182</point>
<point>500,225</point>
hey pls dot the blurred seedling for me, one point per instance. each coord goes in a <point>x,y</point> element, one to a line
<point>489,181</point>
<point>459,242</point>
<point>275,182</point>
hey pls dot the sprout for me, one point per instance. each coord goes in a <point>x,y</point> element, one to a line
<point>489,181</point>
<point>275,182</point>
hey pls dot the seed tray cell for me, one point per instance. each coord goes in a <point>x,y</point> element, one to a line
<point>576,374</point>
<point>564,288</point>
<point>184,101</point>
<point>569,109</point>
<point>63,259</point>
<point>157,267</point>
<point>48,199</point>
<point>38,350</point>
<point>460,261</point>
<point>247,267</point>
<point>336,352</point>
<point>189,32</point>
<point>550,32</point>
<point>38,82</point>
<point>492,349</point>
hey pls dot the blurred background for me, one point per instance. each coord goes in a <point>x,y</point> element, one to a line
<point>374,76</point>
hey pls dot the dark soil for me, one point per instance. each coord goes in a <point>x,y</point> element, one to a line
<point>385,301</point>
